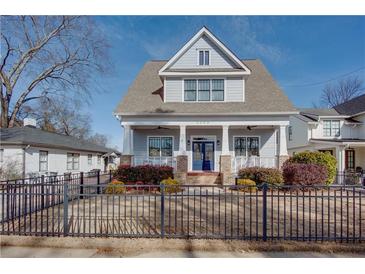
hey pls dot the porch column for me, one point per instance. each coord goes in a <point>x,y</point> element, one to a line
<point>340,156</point>
<point>283,148</point>
<point>225,159</point>
<point>182,158</point>
<point>126,158</point>
<point>225,141</point>
<point>182,143</point>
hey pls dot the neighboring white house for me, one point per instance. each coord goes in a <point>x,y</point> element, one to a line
<point>339,131</point>
<point>31,151</point>
<point>205,110</point>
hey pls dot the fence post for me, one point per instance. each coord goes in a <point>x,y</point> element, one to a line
<point>98,182</point>
<point>65,208</point>
<point>264,212</point>
<point>81,185</point>
<point>162,190</point>
<point>42,192</point>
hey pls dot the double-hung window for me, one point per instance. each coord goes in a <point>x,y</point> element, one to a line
<point>331,128</point>
<point>203,90</point>
<point>203,57</point>
<point>1,155</point>
<point>159,146</point>
<point>89,159</point>
<point>217,90</point>
<point>99,159</point>
<point>43,160</point>
<point>246,146</point>
<point>290,133</point>
<point>190,90</point>
<point>73,161</point>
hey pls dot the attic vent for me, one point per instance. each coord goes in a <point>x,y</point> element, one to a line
<point>29,122</point>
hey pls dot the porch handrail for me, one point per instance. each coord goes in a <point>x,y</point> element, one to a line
<point>154,160</point>
<point>251,161</point>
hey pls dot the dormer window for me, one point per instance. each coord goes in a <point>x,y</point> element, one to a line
<point>204,58</point>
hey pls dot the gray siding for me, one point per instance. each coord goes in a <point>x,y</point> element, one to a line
<point>267,140</point>
<point>189,59</point>
<point>234,89</point>
<point>173,89</point>
<point>140,139</point>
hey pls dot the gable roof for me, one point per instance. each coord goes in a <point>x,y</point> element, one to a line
<point>262,94</point>
<point>204,31</point>
<point>319,111</point>
<point>37,137</point>
<point>352,107</point>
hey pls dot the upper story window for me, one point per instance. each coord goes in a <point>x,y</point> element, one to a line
<point>204,90</point>
<point>204,58</point>
<point>331,128</point>
<point>43,160</point>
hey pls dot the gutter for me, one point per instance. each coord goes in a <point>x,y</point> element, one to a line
<point>203,114</point>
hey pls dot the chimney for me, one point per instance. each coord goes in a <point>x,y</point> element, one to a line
<point>29,122</point>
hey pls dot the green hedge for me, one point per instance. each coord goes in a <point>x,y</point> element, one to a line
<point>262,175</point>
<point>319,158</point>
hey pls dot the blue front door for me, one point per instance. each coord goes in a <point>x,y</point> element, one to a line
<point>203,155</point>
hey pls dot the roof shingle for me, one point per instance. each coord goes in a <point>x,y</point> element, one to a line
<point>262,94</point>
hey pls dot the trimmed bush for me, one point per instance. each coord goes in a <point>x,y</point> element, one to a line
<point>262,175</point>
<point>115,187</point>
<point>304,174</point>
<point>318,158</point>
<point>249,185</point>
<point>147,174</point>
<point>171,185</point>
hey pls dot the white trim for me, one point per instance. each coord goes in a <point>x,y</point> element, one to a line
<point>200,33</point>
<point>207,123</point>
<point>190,155</point>
<point>160,136</point>
<point>202,73</point>
<point>246,136</point>
<point>205,114</point>
<point>164,89</point>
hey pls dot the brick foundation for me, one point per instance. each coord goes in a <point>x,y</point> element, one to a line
<point>225,169</point>
<point>281,160</point>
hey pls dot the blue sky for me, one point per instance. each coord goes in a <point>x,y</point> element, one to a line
<point>299,51</point>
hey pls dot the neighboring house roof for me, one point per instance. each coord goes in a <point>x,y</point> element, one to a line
<point>305,118</point>
<point>262,94</point>
<point>352,107</point>
<point>319,111</point>
<point>38,137</point>
<point>340,140</point>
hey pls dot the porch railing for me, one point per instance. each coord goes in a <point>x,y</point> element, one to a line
<point>242,162</point>
<point>155,161</point>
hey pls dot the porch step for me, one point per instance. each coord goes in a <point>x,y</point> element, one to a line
<point>203,178</point>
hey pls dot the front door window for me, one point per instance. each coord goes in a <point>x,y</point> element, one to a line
<point>350,159</point>
<point>203,156</point>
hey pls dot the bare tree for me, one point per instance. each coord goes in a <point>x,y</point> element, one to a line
<point>342,91</point>
<point>99,139</point>
<point>47,57</point>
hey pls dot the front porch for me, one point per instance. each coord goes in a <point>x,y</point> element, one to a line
<point>222,149</point>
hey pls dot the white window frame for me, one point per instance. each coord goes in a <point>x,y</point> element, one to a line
<point>160,136</point>
<point>331,127</point>
<point>99,159</point>
<point>89,160</point>
<point>1,155</point>
<point>210,92</point>
<point>40,161</point>
<point>198,50</point>
<point>290,133</point>
<point>73,157</point>
<point>246,136</point>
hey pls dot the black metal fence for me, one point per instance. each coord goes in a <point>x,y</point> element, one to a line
<point>350,178</point>
<point>69,208</point>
